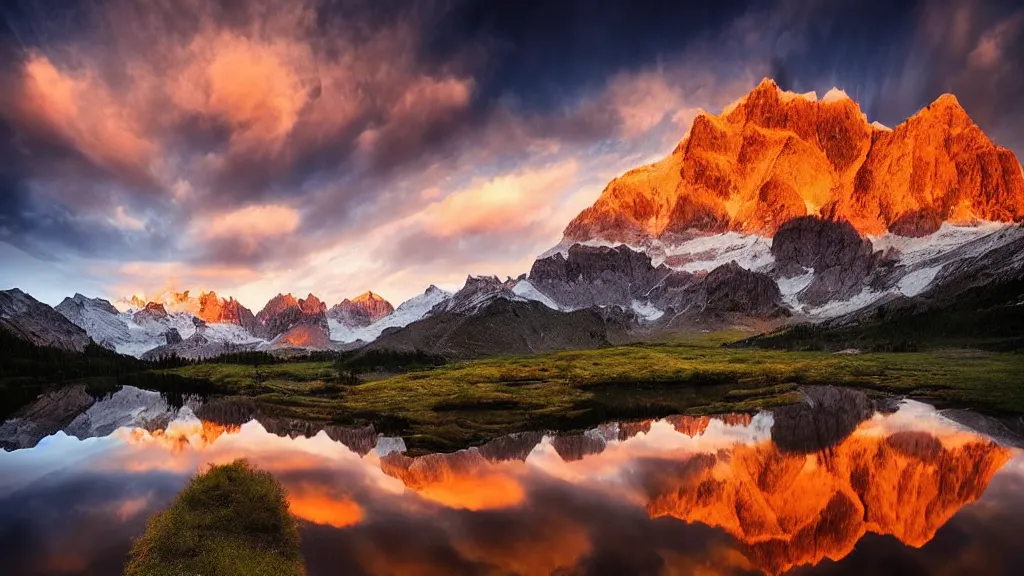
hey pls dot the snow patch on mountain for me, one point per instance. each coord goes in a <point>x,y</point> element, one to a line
<point>647,311</point>
<point>836,308</point>
<point>917,281</point>
<point>834,95</point>
<point>525,289</point>
<point>698,254</point>
<point>97,317</point>
<point>705,253</point>
<point>149,334</point>
<point>229,334</point>
<point>791,287</point>
<point>947,238</point>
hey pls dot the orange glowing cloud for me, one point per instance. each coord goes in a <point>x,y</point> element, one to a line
<point>258,87</point>
<point>79,109</point>
<point>507,202</point>
<point>642,101</point>
<point>255,221</point>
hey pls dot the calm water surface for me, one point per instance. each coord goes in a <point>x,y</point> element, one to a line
<point>833,486</point>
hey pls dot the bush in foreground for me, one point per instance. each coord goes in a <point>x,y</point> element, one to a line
<point>231,520</point>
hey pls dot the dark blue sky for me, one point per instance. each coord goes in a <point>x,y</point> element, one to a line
<point>338,146</point>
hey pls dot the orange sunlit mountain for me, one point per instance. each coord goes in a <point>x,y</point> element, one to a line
<point>773,156</point>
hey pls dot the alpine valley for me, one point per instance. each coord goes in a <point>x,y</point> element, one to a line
<point>785,214</point>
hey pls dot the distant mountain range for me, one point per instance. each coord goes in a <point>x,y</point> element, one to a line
<point>784,209</point>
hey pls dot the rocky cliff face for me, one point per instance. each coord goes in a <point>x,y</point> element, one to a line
<point>152,312</point>
<point>591,277</point>
<point>305,318</point>
<point>597,276</point>
<point>732,289</point>
<point>31,320</point>
<point>475,294</point>
<point>362,310</point>
<point>774,156</point>
<point>841,260</point>
<point>213,309</point>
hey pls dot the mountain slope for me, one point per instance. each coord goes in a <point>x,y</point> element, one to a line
<point>502,327</point>
<point>774,156</point>
<point>98,317</point>
<point>31,320</point>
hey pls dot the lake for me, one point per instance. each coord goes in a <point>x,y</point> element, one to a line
<point>840,484</point>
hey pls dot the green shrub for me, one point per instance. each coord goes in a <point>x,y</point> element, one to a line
<point>231,520</point>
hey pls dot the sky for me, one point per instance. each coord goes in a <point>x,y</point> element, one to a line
<point>339,146</point>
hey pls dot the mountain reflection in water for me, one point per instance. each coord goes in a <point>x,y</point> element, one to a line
<point>838,484</point>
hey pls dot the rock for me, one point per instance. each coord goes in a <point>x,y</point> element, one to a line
<point>917,223</point>
<point>172,336</point>
<point>362,310</point>
<point>827,415</point>
<point>726,291</point>
<point>283,313</point>
<point>475,294</point>
<point>730,288</point>
<point>598,276</point>
<point>213,309</point>
<point>152,311</point>
<point>841,260</point>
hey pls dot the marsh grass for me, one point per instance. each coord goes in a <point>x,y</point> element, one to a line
<point>232,520</point>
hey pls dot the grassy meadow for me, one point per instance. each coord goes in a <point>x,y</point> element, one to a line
<point>465,403</point>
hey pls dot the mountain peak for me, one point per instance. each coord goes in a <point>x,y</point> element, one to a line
<point>835,95</point>
<point>362,310</point>
<point>948,100</point>
<point>368,296</point>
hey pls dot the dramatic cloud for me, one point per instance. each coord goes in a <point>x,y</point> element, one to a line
<point>268,146</point>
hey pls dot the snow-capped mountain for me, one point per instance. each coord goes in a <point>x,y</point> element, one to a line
<point>408,312</point>
<point>784,208</point>
<point>803,193</point>
<point>478,291</point>
<point>98,318</point>
<point>150,329</point>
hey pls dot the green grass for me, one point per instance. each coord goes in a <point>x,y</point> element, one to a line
<point>231,520</point>
<point>467,403</point>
